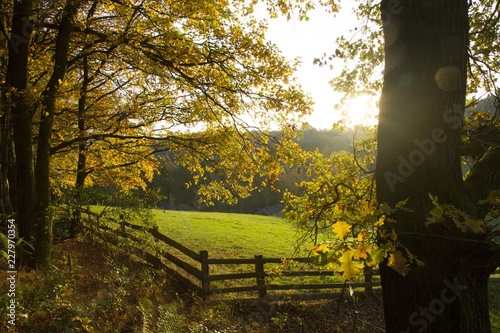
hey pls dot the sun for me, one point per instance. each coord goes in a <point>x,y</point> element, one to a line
<point>360,110</point>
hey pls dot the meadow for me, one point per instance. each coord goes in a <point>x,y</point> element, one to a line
<point>226,235</point>
<point>230,236</point>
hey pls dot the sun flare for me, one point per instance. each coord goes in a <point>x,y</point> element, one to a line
<point>360,110</point>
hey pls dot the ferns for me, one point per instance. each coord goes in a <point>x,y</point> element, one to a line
<point>169,321</point>
<point>146,307</point>
<point>161,319</point>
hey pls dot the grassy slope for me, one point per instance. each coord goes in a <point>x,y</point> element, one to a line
<point>229,235</point>
<point>226,235</point>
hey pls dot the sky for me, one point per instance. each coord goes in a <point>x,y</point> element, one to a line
<point>309,40</point>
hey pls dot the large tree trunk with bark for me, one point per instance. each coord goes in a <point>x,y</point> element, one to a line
<point>6,208</point>
<point>419,140</point>
<point>22,114</point>
<point>43,222</point>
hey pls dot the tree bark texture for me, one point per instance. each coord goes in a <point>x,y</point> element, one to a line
<point>7,210</point>
<point>419,140</point>
<point>22,114</point>
<point>43,222</point>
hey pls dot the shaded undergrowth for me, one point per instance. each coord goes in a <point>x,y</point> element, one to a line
<point>91,287</point>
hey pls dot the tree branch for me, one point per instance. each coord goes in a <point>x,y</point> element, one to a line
<point>484,177</point>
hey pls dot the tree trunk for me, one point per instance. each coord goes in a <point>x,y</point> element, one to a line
<point>22,114</point>
<point>43,222</point>
<point>81,173</point>
<point>419,140</point>
<point>474,316</point>
<point>436,300</point>
<point>7,209</point>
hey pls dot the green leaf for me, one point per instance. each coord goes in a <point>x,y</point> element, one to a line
<point>434,200</point>
<point>402,203</point>
<point>378,255</point>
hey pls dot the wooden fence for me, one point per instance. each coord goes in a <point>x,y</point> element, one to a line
<point>195,270</point>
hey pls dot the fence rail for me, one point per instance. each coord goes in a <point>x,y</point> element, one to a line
<point>196,274</point>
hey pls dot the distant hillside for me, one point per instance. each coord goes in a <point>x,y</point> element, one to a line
<point>172,178</point>
<point>326,141</point>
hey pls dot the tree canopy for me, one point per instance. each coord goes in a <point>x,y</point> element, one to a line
<point>92,89</point>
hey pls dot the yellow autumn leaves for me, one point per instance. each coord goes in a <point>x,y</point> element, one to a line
<point>341,228</point>
<point>450,215</point>
<point>354,247</point>
<point>350,268</point>
<point>350,254</point>
<point>354,252</point>
<point>171,76</point>
<point>351,260</point>
<point>355,243</point>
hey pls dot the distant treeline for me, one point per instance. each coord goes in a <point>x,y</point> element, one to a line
<point>172,179</point>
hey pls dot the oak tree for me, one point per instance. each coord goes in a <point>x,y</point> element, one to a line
<point>419,157</point>
<point>97,87</point>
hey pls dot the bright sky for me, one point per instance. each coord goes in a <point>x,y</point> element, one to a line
<point>308,40</point>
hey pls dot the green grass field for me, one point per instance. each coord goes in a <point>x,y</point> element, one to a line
<point>229,236</point>
<point>226,235</point>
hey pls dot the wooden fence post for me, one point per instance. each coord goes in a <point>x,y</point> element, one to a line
<point>368,273</point>
<point>323,258</point>
<point>122,223</point>
<point>205,274</point>
<point>261,277</point>
<point>155,231</point>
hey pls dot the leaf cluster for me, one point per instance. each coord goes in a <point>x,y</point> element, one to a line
<point>198,79</point>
